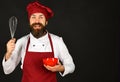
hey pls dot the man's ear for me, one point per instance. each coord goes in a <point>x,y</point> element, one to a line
<point>46,22</point>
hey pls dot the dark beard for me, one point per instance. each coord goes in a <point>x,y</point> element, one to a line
<point>37,33</point>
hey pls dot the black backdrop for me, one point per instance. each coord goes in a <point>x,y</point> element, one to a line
<point>88,27</point>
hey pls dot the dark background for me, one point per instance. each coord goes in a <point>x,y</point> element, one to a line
<point>90,29</point>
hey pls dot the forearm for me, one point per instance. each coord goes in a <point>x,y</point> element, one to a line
<point>61,69</point>
<point>7,56</point>
<point>10,62</point>
<point>8,65</point>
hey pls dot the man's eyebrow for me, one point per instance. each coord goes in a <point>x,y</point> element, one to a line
<point>40,15</point>
<point>35,15</point>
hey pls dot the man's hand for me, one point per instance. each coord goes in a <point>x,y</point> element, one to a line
<point>10,47</point>
<point>57,68</point>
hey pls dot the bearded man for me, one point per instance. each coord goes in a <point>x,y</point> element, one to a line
<point>31,49</point>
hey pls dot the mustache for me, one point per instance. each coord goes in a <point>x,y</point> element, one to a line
<point>40,24</point>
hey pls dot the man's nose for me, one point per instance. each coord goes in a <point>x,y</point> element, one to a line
<point>37,20</point>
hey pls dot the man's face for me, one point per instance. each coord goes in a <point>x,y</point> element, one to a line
<point>37,24</point>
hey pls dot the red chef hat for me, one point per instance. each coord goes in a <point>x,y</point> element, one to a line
<point>36,7</point>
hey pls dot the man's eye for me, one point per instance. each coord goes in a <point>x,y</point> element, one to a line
<point>41,17</point>
<point>33,17</point>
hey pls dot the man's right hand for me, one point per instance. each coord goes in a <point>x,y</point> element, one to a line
<point>10,47</point>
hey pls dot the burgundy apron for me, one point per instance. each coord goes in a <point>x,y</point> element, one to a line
<point>33,69</point>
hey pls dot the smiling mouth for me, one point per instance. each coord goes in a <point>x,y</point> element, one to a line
<point>36,26</point>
